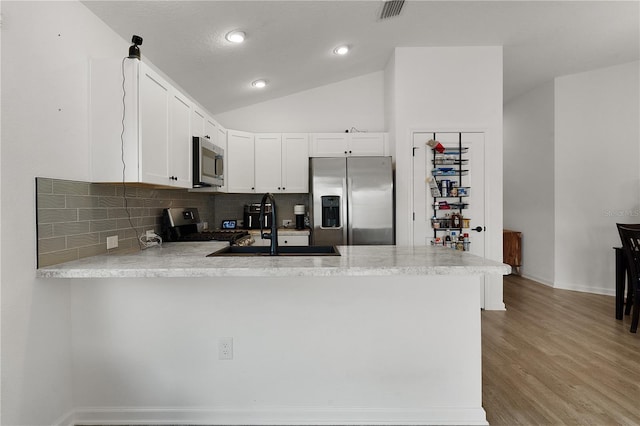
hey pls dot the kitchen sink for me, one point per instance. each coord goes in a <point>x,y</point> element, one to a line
<point>282,251</point>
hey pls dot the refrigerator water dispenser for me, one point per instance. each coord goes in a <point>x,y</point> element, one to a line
<point>330,211</point>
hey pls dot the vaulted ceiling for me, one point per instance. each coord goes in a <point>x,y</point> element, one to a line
<point>290,43</point>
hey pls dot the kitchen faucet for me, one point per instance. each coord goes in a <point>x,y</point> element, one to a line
<point>273,236</point>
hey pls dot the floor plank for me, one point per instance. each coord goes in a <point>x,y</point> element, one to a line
<point>558,357</point>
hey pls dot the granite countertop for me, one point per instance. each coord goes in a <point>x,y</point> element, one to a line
<point>188,259</point>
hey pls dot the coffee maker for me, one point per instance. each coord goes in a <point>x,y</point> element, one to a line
<point>252,216</point>
<point>299,211</point>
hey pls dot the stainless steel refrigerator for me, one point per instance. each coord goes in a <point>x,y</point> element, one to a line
<point>352,201</point>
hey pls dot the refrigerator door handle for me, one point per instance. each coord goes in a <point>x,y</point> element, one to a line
<point>348,232</point>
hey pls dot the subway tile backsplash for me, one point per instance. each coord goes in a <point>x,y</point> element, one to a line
<point>74,219</point>
<point>231,206</point>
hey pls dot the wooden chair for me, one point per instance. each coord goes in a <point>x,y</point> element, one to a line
<point>629,299</point>
<point>630,236</point>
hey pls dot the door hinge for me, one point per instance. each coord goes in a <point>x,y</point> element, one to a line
<point>413,154</point>
<point>414,216</point>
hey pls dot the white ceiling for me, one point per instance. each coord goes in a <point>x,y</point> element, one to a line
<point>290,43</point>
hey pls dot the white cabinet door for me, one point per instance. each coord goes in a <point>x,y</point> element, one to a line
<point>159,123</point>
<point>221,138</point>
<point>154,128</point>
<point>197,122</point>
<point>268,162</point>
<point>293,240</point>
<point>180,146</point>
<point>221,141</point>
<point>349,144</point>
<point>211,129</point>
<point>367,144</point>
<point>240,162</point>
<point>283,240</point>
<point>295,162</point>
<point>329,144</point>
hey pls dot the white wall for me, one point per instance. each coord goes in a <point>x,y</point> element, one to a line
<point>597,172</point>
<point>306,351</point>
<point>529,178</point>
<point>447,88</point>
<point>450,88</point>
<point>45,55</point>
<point>357,102</point>
<point>390,102</point>
<point>1,220</point>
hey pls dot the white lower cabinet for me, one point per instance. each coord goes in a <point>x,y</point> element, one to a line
<point>283,240</point>
<point>293,240</point>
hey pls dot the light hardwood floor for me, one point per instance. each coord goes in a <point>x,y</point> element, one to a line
<point>558,357</point>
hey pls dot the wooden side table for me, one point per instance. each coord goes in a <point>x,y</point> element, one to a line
<point>512,249</point>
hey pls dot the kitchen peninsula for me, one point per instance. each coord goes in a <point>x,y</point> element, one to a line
<point>378,335</point>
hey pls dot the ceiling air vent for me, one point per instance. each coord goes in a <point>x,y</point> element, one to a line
<point>391,8</point>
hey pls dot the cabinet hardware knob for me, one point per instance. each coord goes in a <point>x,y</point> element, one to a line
<point>478,229</point>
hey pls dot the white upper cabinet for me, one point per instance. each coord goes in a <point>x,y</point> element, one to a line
<point>349,144</point>
<point>155,100</point>
<point>329,144</point>
<point>239,157</point>
<point>180,146</point>
<point>282,162</point>
<point>295,162</point>
<point>204,126</point>
<point>221,140</point>
<point>368,144</point>
<point>156,138</point>
<point>268,162</point>
<point>211,131</point>
<point>197,122</point>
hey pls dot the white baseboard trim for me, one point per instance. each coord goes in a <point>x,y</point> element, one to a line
<point>278,416</point>
<point>68,419</point>
<point>594,290</point>
<point>538,280</point>
<point>573,287</point>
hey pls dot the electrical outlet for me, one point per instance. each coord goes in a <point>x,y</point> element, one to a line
<point>112,242</point>
<point>150,233</point>
<point>225,348</point>
<point>286,222</point>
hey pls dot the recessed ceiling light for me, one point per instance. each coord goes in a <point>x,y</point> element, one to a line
<point>341,50</point>
<point>259,83</point>
<point>235,36</point>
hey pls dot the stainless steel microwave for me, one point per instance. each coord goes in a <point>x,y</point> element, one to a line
<point>208,163</point>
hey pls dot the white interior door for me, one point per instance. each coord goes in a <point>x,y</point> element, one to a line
<point>423,201</point>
